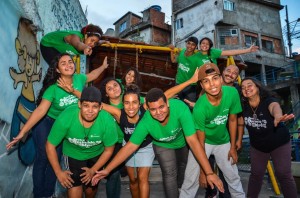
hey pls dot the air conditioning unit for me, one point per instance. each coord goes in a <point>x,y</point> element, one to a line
<point>233,32</point>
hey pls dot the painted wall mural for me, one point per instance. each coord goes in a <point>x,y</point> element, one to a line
<point>29,72</point>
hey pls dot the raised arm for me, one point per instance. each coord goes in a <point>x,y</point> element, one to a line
<point>115,112</point>
<point>176,89</point>
<point>96,72</point>
<point>252,48</point>
<point>34,118</point>
<point>173,54</point>
<point>75,41</point>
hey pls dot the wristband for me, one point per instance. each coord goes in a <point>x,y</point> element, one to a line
<point>208,174</point>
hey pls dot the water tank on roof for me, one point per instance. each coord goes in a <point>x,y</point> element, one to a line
<point>156,7</point>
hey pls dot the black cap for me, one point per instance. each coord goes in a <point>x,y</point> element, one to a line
<point>192,39</point>
<point>91,94</point>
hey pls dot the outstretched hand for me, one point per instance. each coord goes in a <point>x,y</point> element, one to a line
<point>283,118</point>
<point>98,176</point>
<point>14,141</point>
<point>253,48</point>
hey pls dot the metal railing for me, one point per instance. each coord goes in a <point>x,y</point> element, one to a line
<point>280,74</point>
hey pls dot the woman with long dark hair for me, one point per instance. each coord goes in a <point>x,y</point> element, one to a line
<point>61,89</point>
<point>209,54</point>
<point>269,137</point>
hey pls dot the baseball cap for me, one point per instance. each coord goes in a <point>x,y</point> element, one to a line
<point>208,69</point>
<point>192,39</point>
<point>91,94</point>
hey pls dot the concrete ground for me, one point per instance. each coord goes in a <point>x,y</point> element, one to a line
<point>156,186</point>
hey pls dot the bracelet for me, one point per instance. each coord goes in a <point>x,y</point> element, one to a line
<point>208,174</point>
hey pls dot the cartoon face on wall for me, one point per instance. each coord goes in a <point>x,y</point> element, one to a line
<point>29,72</point>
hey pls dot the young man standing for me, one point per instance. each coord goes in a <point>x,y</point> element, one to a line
<point>219,105</point>
<point>88,134</point>
<point>188,61</point>
<point>170,124</point>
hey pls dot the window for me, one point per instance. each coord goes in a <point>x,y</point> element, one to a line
<point>267,46</point>
<point>228,36</point>
<point>250,40</point>
<point>228,5</point>
<point>123,26</point>
<point>179,23</point>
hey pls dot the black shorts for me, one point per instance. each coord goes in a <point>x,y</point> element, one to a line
<point>75,166</point>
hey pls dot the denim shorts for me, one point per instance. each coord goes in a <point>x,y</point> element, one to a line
<point>142,158</point>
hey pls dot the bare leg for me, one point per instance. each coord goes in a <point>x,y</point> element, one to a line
<point>134,185</point>
<point>143,178</point>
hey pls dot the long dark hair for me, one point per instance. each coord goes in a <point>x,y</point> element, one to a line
<point>51,76</point>
<point>211,44</point>
<point>132,89</point>
<point>105,98</point>
<point>264,92</point>
<point>137,77</point>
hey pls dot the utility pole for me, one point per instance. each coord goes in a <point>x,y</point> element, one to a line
<point>288,32</point>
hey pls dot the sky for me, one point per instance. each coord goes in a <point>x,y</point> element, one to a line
<point>105,14</point>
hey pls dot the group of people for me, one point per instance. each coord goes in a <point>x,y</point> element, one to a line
<point>97,130</point>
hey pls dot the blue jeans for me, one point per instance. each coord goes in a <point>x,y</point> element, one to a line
<point>113,180</point>
<point>42,173</point>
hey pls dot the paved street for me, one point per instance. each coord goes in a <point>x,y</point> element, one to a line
<point>156,187</point>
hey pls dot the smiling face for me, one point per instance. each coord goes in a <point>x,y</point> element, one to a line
<point>89,110</point>
<point>204,45</point>
<point>212,84</point>
<point>159,110</point>
<point>113,89</point>
<point>249,89</point>
<point>131,105</point>
<point>130,77</point>
<point>190,46</point>
<point>66,66</point>
<point>91,41</point>
<point>230,74</point>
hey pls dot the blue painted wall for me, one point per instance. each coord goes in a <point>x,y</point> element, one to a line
<point>23,23</point>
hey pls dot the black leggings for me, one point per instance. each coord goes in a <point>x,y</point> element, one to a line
<point>49,53</point>
<point>172,163</point>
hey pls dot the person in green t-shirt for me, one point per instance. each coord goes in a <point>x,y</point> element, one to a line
<point>170,124</point>
<point>208,54</point>
<point>61,89</point>
<point>88,134</point>
<point>71,42</point>
<point>218,106</point>
<point>188,62</point>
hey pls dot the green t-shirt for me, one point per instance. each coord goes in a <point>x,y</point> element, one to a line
<point>171,135</point>
<point>212,120</point>
<point>57,40</point>
<point>60,99</point>
<point>68,128</point>
<point>214,54</point>
<point>186,66</point>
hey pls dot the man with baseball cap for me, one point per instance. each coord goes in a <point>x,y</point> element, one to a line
<point>217,106</point>
<point>188,61</point>
<point>88,135</point>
